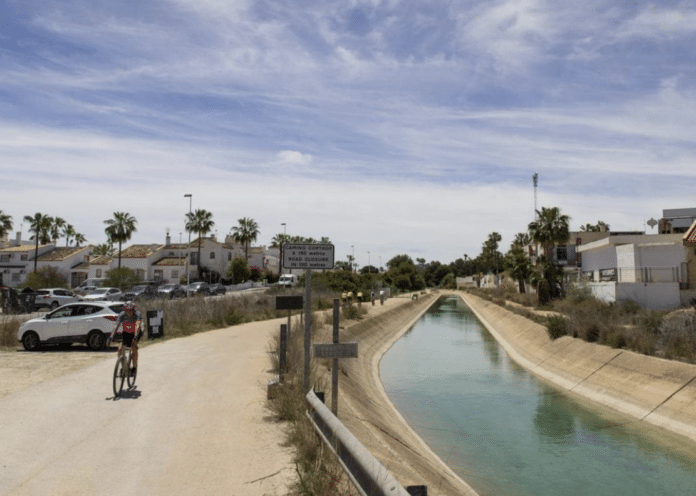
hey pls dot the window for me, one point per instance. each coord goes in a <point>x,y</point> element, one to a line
<point>175,274</point>
<point>229,256</point>
<point>99,273</point>
<point>15,277</point>
<point>212,255</point>
<point>194,258</point>
<point>4,258</point>
<point>562,254</point>
<point>24,258</point>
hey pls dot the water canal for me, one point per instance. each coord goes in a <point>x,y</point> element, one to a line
<point>507,433</point>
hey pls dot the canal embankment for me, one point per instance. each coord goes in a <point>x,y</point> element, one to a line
<point>657,391</point>
<point>365,409</point>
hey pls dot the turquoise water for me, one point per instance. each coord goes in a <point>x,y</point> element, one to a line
<point>507,433</point>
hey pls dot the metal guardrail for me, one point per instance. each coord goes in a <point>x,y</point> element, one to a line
<point>366,472</point>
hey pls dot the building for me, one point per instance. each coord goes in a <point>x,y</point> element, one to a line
<point>651,270</point>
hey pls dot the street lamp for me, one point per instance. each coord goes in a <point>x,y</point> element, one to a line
<point>188,280</point>
<point>352,264</point>
<point>280,271</point>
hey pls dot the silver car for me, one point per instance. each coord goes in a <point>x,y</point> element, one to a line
<point>89,323</point>
<point>104,294</point>
<point>52,298</point>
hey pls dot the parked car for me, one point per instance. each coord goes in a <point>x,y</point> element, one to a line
<point>89,285</point>
<point>199,288</point>
<point>143,291</point>
<point>217,289</point>
<point>83,322</point>
<point>172,291</point>
<point>287,280</point>
<point>54,297</point>
<point>104,294</point>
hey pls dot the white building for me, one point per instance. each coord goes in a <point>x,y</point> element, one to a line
<point>651,270</point>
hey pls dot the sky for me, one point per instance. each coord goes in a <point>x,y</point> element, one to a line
<point>390,127</point>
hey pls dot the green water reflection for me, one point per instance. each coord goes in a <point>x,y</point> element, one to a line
<point>507,433</point>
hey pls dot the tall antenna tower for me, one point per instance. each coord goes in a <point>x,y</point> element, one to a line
<point>535,180</point>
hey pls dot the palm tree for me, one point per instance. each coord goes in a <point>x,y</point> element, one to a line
<point>245,233</point>
<point>69,233</point>
<point>57,224</point>
<point>40,225</point>
<point>201,223</point>
<point>104,249</point>
<point>550,228</point>
<point>5,224</point>
<point>79,238</point>
<point>120,229</point>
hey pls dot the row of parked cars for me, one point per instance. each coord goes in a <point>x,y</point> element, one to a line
<point>90,318</point>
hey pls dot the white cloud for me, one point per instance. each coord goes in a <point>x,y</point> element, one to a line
<point>658,22</point>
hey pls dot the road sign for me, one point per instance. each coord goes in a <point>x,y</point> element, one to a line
<point>308,256</point>
<point>336,350</point>
<point>289,303</point>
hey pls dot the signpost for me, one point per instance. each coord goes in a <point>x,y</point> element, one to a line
<point>308,256</point>
<point>335,351</point>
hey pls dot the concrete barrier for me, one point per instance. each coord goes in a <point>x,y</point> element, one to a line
<point>658,391</point>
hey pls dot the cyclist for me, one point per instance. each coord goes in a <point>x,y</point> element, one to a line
<point>132,323</point>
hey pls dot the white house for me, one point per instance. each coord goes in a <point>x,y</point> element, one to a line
<point>648,269</point>
<point>72,262</point>
<point>17,261</point>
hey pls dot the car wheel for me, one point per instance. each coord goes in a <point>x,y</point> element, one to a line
<point>96,340</point>
<point>31,341</point>
<point>54,305</point>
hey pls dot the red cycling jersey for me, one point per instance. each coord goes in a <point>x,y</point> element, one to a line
<point>129,322</point>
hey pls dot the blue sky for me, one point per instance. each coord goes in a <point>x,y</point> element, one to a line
<point>388,126</point>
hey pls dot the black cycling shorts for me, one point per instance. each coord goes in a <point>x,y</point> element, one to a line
<point>128,338</point>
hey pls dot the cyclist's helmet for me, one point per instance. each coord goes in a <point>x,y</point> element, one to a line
<point>129,306</point>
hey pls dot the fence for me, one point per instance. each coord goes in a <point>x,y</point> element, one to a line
<point>363,469</point>
<point>634,274</point>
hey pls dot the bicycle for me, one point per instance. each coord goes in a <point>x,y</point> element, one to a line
<point>123,371</point>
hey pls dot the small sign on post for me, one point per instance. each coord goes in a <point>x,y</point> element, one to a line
<point>155,324</point>
<point>336,350</point>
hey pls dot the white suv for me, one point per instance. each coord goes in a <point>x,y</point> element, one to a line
<point>89,323</point>
<point>54,297</point>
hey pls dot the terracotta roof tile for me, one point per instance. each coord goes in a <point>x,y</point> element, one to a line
<point>171,261</point>
<point>60,254</point>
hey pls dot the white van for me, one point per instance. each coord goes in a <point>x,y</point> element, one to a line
<point>287,280</point>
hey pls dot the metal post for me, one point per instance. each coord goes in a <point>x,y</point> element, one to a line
<point>308,327</point>
<point>188,280</point>
<point>334,361</point>
<point>282,360</point>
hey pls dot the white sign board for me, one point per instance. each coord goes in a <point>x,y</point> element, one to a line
<point>308,256</point>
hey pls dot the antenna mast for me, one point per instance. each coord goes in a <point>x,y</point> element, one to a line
<point>535,179</point>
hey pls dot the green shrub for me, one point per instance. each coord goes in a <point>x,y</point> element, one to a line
<point>46,277</point>
<point>616,339</point>
<point>556,326</point>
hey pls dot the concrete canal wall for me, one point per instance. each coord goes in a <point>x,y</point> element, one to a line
<point>660,392</point>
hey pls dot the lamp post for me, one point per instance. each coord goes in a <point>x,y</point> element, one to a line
<point>280,270</point>
<point>188,280</point>
<point>352,263</point>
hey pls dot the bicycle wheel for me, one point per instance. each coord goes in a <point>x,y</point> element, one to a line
<point>131,374</point>
<point>119,375</point>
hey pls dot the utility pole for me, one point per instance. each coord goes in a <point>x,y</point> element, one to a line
<point>535,179</point>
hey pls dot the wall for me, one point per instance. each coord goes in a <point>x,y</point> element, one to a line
<point>654,296</point>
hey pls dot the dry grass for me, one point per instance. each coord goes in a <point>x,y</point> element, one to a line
<point>318,472</point>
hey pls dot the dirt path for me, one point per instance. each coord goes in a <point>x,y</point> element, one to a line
<point>196,424</point>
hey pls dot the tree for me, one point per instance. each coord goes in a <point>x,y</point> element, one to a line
<point>40,225</point>
<point>69,233</point>
<point>120,229</point>
<point>246,232</point>
<point>79,239</point>
<point>490,256</point>
<point>5,224</point>
<point>238,270</point>
<point>57,225</point>
<point>549,229</point>
<point>598,227</point>
<point>104,249</point>
<point>403,274</point>
<point>201,223</point>
<point>516,261</point>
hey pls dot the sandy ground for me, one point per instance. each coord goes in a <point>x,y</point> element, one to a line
<point>204,432</point>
